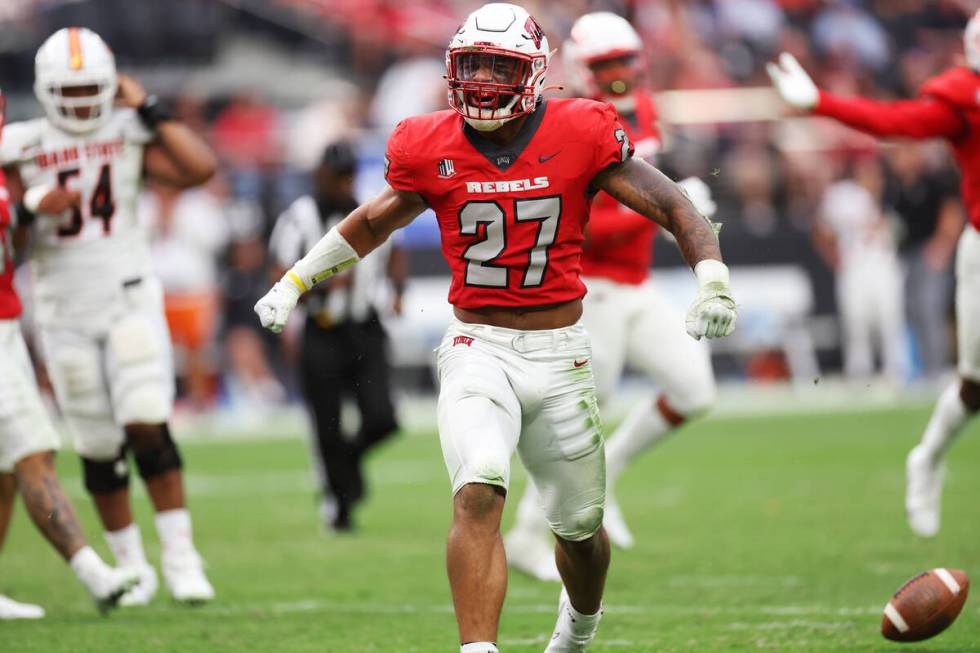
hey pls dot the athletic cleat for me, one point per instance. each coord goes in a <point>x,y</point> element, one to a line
<point>615,524</point>
<point>11,609</point>
<point>183,573</point>
<point>145,588</point>
<point>565,639</point>
<point>924,488</point>
<point>532,553</point>
<point>109,586</point>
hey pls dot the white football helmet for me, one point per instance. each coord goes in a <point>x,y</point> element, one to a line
<point>496,65</point>
<point>604,37</point>
<point>75,58</point>
<point>971,42</point>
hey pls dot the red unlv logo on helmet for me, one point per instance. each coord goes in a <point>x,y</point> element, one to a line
<point>534,31</point>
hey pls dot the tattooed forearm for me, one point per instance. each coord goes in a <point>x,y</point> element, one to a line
<point>49,508</point>
<point>646,190</point>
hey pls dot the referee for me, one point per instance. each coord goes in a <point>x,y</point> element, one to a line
<point>344,346</point>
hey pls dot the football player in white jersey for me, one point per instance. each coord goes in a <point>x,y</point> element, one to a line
<point>605,52</point>
<point>27,444</point>
<point>77,173</point>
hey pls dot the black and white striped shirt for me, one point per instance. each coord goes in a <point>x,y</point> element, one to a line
<point>297,229</point>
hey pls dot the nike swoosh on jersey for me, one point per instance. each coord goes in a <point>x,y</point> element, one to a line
<point>542,158</point>
<point>580,363</point>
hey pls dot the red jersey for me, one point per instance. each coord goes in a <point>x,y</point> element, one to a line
<point>948,106</point>
<point>619,241</point>
<point>9,302</point>
<point>512,218</point>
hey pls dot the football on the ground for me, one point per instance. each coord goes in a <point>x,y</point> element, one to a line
<point>925,606</point>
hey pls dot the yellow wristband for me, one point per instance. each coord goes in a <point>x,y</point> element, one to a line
<point>295,279</point>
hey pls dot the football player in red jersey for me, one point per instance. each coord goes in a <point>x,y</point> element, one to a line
<point>27,444</point>
<point>946,107</point>
<point>606,53</point>
<point>510,178</point>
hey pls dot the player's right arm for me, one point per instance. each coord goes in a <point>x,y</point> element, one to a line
<point>922,117</point>
<point>361,232</point>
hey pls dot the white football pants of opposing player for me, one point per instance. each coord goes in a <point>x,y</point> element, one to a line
<point>111,368</point>
<point>634,324</point>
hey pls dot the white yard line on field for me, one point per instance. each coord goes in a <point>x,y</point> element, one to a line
<point>318,605</point>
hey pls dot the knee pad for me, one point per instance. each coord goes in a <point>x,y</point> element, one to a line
<point>106,476</point>
<point>154,450</point>
<point>142,387</point>
<point>581,524</point>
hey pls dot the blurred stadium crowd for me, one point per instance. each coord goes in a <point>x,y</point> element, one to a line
<point>271,82</point>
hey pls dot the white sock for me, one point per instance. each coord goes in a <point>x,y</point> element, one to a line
<point>946,422</point>
<point>643,427</point>
<point>479,647</point>
<point>88,566</point>
<point>126,545</point>
<point>583,625</point>
<point>174,529</point>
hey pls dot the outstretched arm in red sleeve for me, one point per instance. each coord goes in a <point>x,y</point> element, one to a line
<point>923,117</point>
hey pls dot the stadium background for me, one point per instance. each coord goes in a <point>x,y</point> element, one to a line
<point>271,81</point>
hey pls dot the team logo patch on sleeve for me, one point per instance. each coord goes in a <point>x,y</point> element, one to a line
<point>387,166</point>
<point>446,169</point>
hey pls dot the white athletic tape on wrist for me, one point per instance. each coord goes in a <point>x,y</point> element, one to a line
<point>711,272</point>
<point>332,254</point>
<point>33,196</point>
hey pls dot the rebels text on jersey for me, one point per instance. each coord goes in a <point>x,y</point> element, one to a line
<point>512,217</point>
<point>9,302</point>
<point>619,241</point>
<point>83,256</point>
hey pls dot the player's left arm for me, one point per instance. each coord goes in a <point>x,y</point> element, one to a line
<point>638,185</point>
<point>178,156</point>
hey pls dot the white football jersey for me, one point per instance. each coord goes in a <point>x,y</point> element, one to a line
<point>81,259</point>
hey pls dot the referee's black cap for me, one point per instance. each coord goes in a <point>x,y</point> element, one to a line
<point>339,158</point>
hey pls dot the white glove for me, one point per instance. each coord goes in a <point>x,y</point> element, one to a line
<point>700,195</point>
<point>712,315</point>
<point>274,309</point>
<point>793,83</point>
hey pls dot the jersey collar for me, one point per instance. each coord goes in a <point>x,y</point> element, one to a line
<point>504,156</point>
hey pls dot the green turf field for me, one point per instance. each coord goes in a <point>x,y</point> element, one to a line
<point>754,534</point>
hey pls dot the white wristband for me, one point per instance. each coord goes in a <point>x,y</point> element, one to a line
<point>330,255</point>
<point>711,273</point>
<point>33,196</point>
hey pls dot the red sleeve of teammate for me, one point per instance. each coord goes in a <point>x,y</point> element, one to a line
<point>399,171</point>
<point>616,226</point>
<point>612,143</point>
<point>924,117</point>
